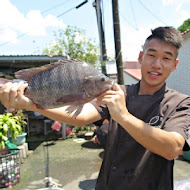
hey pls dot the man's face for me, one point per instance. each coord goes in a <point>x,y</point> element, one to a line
<point>157,60</point>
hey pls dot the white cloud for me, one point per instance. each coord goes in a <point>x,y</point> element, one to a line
<point>169,2</point>
<point>184,15</point>
<point>181,9</point>
<point>8,36</point>
<point>9,15</point>
<point>34,23</point>
<point>132,41</point>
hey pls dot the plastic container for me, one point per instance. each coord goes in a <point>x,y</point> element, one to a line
<point>9,169</point>
<point>11,146</point>
<point>186,155</point>
<point>20,139</point>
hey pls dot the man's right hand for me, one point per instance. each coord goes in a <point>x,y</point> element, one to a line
<point>12,96</point>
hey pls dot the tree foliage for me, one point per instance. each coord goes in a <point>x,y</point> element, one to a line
<point>185,26</point>
<point>73,42</point>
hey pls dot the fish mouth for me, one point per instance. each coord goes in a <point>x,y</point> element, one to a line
<point>112,85</point>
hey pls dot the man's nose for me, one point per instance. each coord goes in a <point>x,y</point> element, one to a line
<point>156,63</point>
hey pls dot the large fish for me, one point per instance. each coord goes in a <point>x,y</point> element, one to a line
<point>67,82</point>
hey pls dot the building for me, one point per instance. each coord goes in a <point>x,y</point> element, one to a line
<point>11,64</point>
<point>179,79</point>
<point>132,72</point>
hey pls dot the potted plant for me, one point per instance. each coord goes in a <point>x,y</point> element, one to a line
<point>11,125</point>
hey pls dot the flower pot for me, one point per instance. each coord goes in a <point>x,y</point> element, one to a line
<point>20,139</point>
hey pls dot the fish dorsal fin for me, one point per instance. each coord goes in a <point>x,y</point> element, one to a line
<point>26,74</point>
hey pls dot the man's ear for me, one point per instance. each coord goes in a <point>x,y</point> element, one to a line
<point>140,56</point>
<point>175,64</point>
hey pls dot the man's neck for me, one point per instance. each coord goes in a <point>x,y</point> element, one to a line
<point>145,89</point>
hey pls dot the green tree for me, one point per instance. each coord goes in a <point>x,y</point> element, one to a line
<point>185,26</point>
<point>73,42</point>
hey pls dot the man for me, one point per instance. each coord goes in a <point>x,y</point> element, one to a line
<point>148,123</point>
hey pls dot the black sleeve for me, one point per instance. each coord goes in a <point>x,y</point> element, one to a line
<point>104,112</point>
<point>179,121</point>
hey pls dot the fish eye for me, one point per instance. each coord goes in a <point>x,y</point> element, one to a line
<point>103,79</point>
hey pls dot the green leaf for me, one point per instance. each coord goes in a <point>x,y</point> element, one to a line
<point>5,138</point>
<point>5,128</point>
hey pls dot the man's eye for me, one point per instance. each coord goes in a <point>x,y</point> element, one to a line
<point>166,58</point>
<point>151,55</point>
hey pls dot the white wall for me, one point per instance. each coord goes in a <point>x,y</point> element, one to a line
<point>180,78</point>
<point>128,79</point>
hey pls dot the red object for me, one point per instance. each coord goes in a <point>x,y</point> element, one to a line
<point>95,140</point>
<point>68,131</point>
<point>56,126</point>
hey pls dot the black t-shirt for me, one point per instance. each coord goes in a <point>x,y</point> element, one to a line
<point>129,166</point>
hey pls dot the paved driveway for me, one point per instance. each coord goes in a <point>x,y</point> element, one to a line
<point>74,164</point>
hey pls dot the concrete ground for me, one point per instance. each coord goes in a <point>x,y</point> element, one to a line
<point>74,164</point>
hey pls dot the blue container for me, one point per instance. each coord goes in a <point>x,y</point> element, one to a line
<point>186,155</point>
<point>20,139</point>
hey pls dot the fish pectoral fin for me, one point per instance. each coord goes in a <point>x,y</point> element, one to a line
<point>98,107</point>
<point>73,97</point>
<point>74,108</point>
<point>26,74</point>
<point>3,81</point>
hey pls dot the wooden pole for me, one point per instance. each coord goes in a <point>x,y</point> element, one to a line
<point>103,53</point>
<point>118,54</point>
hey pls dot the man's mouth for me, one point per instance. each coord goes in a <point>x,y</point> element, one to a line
<point>154,74</point>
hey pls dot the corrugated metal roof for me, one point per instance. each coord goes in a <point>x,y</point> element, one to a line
<point>27,61</point>
<point>133,68</point>
<point>135,73</point>
<point>30,57</point>
<point>13,63</point>
<point>185,32</point>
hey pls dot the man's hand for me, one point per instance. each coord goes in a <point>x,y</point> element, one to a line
<point>12,96</point>
<point>115,100</point>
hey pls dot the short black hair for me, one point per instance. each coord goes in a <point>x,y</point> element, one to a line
<point>167,34</point>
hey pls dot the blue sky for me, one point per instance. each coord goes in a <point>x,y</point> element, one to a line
<point>26,26</point>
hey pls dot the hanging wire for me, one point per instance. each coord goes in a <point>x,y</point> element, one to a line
<point>46,11</point>
<point>127,21</point>
<point>135,28</point>
<point>65,12</point>
<point>66,1</point>
<point>133,14</point>
<point>151,12</point>
<point>20,36</point>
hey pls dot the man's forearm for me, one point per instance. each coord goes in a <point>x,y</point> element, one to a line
<point>158,141</point>
<point>88,115</point>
